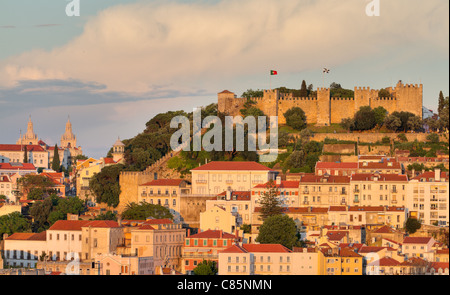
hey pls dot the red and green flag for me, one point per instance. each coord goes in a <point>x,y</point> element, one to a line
<point>273,73</point>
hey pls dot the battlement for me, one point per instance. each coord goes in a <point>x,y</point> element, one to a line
<point>342,98</point>
<point>362,88</point>
<point>311,98</point>
<point>323,89</point>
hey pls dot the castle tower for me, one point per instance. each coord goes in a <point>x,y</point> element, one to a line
<point>68,139</point>
<point>118,150</point>
<point>409,98</point>
<point>30,137</point>
<point>323,107</point>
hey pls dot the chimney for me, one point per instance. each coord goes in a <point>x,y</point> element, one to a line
<point>188,232</point>
<point>220,234</point>
<point>278,180</point>
<point>437,175</point>
<point>119,220</point>
<point>413,173</point>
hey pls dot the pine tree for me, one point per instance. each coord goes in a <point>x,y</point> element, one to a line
<point>25,157</point>
<point>303,90</point>
<point>441,103</point>
<point>56,164</point>
<point>270,203</point>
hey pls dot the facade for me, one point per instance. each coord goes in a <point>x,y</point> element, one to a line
<point>18,169</point>
<point>205,245</point>
<point>384,167</point>
<point>324,109</point>
<point>287,192</point>
<point>376,189</point>
<point>337,169</point>
<point>428,197</point>
<point>239,204</point>
<point>347,262</point>
<point>24,249</point>
<point>112,264</point>
<point>257,259</point>
<point>15,154</point>
<point>164,192</point>
<point>216,177</point>
<point>118,152</point>
<point>418,247</point>
<point>29,138</point>
<point>324,191</point>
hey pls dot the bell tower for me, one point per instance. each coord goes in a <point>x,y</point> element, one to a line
<point>68,139</point>
<point>118,150</point>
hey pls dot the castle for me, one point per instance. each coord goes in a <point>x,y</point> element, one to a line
<point>323,109</point>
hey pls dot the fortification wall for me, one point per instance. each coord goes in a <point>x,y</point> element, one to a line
<point>191,207</point>
<point>389,103</point>
<point>371,137</point>
<point>341,108</point>
<point>307,104</point>
<point>129,182</point>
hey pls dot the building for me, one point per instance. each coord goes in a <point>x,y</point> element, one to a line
<point>323,109</point>
<point>113,264</point>
<point>15,153</point>
<point>29,138</point>
<point>257,259</point>
<point>218,218</point>
<point>161,239</point>
<point>6,187</point>
<point>335,168</point>
<point>20,169</point>
<point>346,262</point>
<point>377,189</point>
<point>118,152</point>
<point>384,167</point>
<point>164,192</point>
<point>24,249</point>
<point>287,192</point>
<point>418,247</point>
<point>428,197</point>
<point>324,191</point>
<point>238,203</point>
<point>214,178</point>
<point>205,245</point>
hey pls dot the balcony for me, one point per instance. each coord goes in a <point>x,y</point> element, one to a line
<point>305,203</point>
<point>394,191</point>
<point>356,201</point>
<point>356,190</point>
<point>343,192</point>
<point>306,192</point>
<point>394,201</point>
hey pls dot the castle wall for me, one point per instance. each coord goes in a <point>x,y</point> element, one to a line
<point>129,183</point>
<point>307,104</point>
<point>342,108</point>
<point>389,103</point>
<point>323,107</point>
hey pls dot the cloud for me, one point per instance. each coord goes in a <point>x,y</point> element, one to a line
<point>167,46</point>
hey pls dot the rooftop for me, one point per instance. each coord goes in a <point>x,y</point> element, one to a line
<point>233,166</point>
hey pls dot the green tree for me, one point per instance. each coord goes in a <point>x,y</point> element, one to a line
<point>31,182</point>
<point>393,123</point>
<point>250,93</point>
<point>295,118</point>
<point>444,115</point>
<point>13,223</point>
<point>144,210</point>
<point>412,225</point>
<point>278,229</point>
<point>105,185</point>
<point>402,137</point>
<point>35,194</point>
<point>295,160</point>
<point>56,164</point>
<point>108,215</point>
<point>347,123</point>
<point>25,155</point>
<point>206,268</point>
<point>441,103</point>
<point>415,123</point>
<point>303,90</point>
<point>384,93</point>
<point>433,138</point>
<point>270,203</point>
<point>380,114</point>
<point>364,119</point>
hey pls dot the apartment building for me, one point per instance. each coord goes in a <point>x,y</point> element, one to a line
<point>428,197</point>
<point>377,189</point>
<point>324,191</point>
<point>214,178</point>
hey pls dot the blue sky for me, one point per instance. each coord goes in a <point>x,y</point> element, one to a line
<point>121,61</point>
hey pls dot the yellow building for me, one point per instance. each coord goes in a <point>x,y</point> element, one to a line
<point>216,177</point>
<point>165,192</point>
<point>218,218</point>
<point>376,189</point>
<point>347,262</point>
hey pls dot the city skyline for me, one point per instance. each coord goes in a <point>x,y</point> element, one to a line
<point>122,62</point>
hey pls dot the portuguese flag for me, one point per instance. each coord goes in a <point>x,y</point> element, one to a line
<point>273,73</point>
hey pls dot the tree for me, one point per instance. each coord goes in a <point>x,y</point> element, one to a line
<point>415,123</point>
<point>347,123</point>
<point>278,229</point>
<point>108,215</point>
<point>393,123</point>
<point>404,117</point>
<point>295,160</point>
<point>384,93</point>
<point>412,225</point>
<point>144,210</point>
<point>35,194</point>
<point>32,182</point>
<point>303,90</point>
<point>295,118</point>
<point>380,114</point>
<point>441,103</point>
<point>105,185</point>
<point>56,164</point>
<point>364,119</point>
<point>13,223</point>
<point>444,115</point>
<point>270,203</point>
<point>206,268</point>
<point>402,137</point>
<point>433,138</point>
<point>250,93</point>
<point>25,155</point>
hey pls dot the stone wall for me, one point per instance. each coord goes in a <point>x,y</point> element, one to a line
<point>371,137</point>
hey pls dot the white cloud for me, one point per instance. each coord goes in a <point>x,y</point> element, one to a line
<point>166,46</point>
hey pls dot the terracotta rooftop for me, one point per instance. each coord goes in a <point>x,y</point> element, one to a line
<point>416,240</point>
<point>19,147</point>
<point>212,234</point>
<point>17,166</point>
<point>233,166</point>
<point>28,236</point>
<point>381,177</point>
<point>430,176</point>
<point>257,248</point>
<point>324,179</point>
<point>238,195</point>
<point>335,165</point>
<point>164,182</point>
<point>284,184</point>
<point>385,261</point>
<point>78,224</point>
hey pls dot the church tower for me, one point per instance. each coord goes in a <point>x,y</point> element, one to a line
<point>118,150</point>
<point>68,139</point>
<point>30,137</point>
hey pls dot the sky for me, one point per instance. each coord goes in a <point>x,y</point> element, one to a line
<point>121,62</point>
